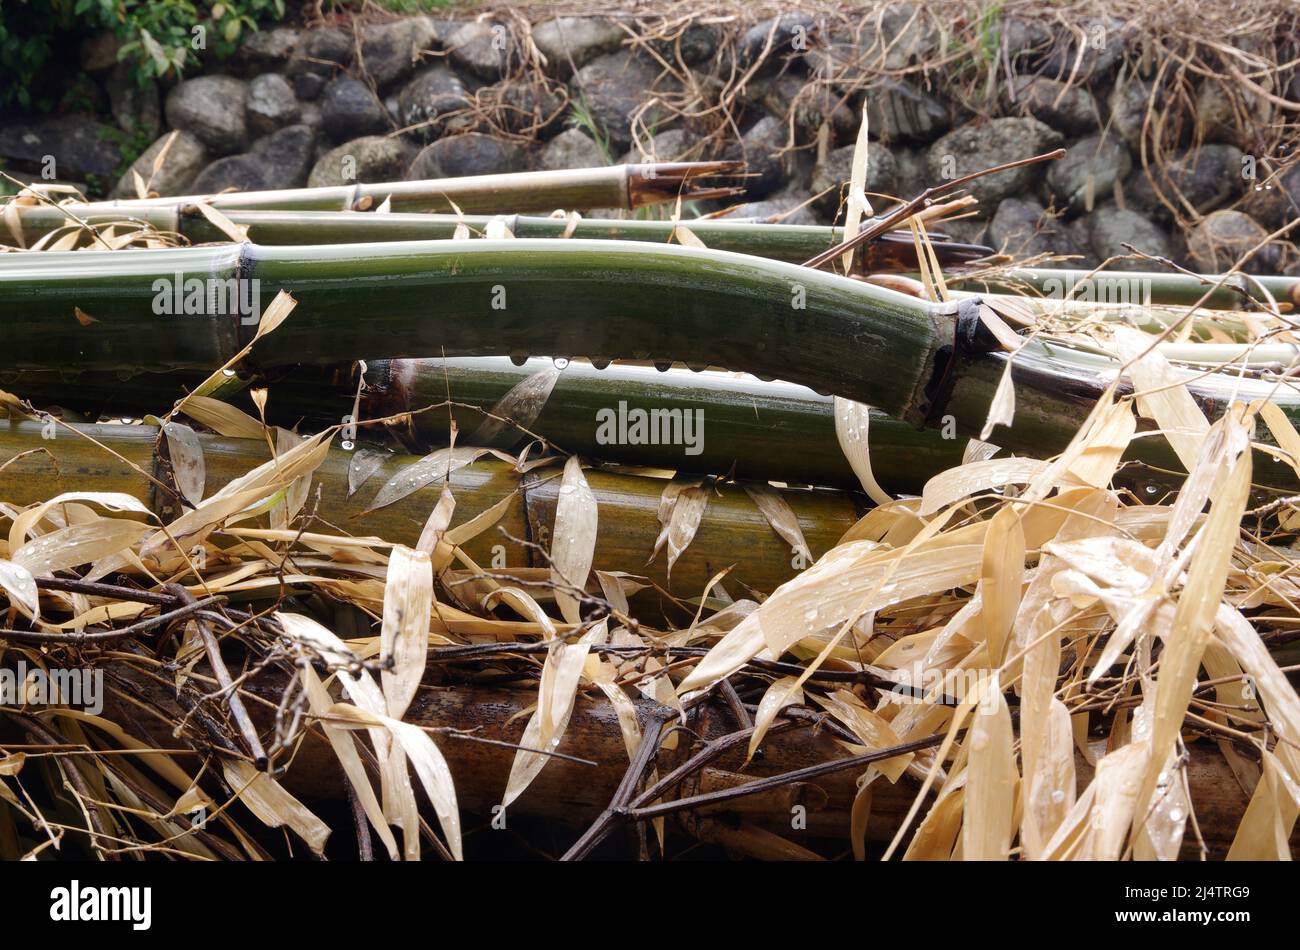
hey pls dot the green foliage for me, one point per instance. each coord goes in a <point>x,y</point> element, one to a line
<point>27,34</point>
<point>159,37</point>
<point>400,6</point>
<point>580,117</point>
<point>131,145</point>
<point>989,30</point>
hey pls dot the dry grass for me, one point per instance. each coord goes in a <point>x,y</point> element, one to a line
<point>1240,56</point>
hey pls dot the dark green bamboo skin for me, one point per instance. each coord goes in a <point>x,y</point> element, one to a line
<point>604,299</point>
<point>40,295</point>
<point>1055,397</point>
<point>782,242</point>
<point>751,429</point>
<point>483,298</point>
<point>733,530</point>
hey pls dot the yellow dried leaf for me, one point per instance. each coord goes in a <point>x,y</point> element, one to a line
<point>404,633</point>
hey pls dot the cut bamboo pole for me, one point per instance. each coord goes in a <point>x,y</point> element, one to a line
<point>744,426</point>
<point>614,186</point>
<point>573,794</point>
<point>931,364</point>
<point>628,504</point>
<point>782,242</point>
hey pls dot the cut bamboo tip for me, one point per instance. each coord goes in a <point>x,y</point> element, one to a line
<point>655,183</point>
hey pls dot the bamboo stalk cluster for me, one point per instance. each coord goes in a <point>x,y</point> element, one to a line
<point>374,440</point>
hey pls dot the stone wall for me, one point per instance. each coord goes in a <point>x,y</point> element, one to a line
<point>1172,162</point>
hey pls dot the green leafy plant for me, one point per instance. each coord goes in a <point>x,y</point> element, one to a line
<point>159,37</point>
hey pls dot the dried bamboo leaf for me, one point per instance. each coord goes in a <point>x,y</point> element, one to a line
<point>223,418</point>
<point>433,467</point>
<point>872,730</point>
<point>780,516</point>
<point>345,750</point>
<point>573,539</point>
<point>991,781</point>
<point>521,404</point>
<point>404,633</point>
<point>667,503</point>
<point>430,767</point>
<point>364,464</point>
<point>435,527</point>
<point>1162,395</point>
<point>1265,830</point>
<point>1002,411</point>
<point>1100,454</point>
<point>236,232</point>
<point>20,585</point>
<point>688,512</point>
<point>273,806</point>
<point>781,693</point>
<point>77,544</point>
<point>852,428</point>
<point>1002,578</point>
<point>858,204</point>
<point>1198,603</point>
<point>186,455</point>
<point>559,686</point>
<point>975,477</point>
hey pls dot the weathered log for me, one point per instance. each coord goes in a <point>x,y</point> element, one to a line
<point>574,794</point>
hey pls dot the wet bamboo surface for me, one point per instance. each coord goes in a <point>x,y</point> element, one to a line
<point>747,427</point>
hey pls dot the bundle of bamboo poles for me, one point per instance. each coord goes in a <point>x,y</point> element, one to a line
<point>523,519</point>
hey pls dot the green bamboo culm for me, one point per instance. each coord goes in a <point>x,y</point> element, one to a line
<point>781,242</point>
<point>614,186</point>
<point>926,363</point>
<point>715,423</point>
<point>706,422</point>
